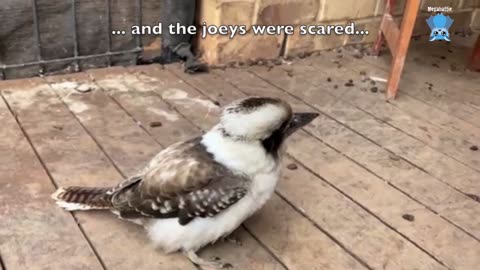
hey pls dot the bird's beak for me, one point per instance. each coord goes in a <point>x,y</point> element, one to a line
<point>299,120</point>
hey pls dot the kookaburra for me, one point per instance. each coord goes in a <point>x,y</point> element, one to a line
<point>197,191</point>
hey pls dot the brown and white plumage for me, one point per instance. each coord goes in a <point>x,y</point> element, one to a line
<point>195,192</point>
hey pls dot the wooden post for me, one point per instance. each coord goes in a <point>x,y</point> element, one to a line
<point>380,39</point>
<point>401,48</point>
<point>474,60</point>
<point>397,39</point>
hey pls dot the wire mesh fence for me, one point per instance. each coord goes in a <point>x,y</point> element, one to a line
<point>54,43</point>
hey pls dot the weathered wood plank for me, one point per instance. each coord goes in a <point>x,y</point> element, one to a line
<point>113,123</point>
<point>385,164</point>
<point>34,232</point>
<point>433,62</point>
<point>417,76</point>
<point>450,58</point>
<point>121,135</point>
<point>73,158</point>
<point>445,93</point>
<point>435,163</point>
<point>349,176</point>
<point>423,67</point>
<point>293,259</point>
<point>411,105</point>
<point>441,166</point>
<point>296,241</point>
<point>427,230</point>
<point>143,103</point>
<point>452,143</point>
<point>375,243</point>
<point>437,117</point>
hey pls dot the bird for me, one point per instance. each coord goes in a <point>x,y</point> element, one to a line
<point>197,191</point>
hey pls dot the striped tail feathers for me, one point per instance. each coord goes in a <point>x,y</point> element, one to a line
<point>83,198</point>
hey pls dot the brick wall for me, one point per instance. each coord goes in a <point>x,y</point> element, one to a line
<point>366,14</point>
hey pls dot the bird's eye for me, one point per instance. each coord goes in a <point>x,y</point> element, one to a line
<point>443,33</point>
<point>435,33</point>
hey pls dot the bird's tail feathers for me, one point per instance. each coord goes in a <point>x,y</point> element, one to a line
<point>82,198</point>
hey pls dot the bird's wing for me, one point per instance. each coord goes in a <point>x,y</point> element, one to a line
<point>183,181</point>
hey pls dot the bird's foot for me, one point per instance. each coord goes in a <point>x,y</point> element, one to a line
<point>233,240</point>
<point>215,262</point>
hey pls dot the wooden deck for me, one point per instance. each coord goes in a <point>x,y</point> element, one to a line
<point>377,185</point>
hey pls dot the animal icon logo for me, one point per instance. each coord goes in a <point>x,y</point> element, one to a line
<point>439,24</point>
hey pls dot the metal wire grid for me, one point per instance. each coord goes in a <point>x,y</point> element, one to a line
<point>75,59</point>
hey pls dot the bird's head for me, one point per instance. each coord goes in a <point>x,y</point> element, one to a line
<point>267,119</point>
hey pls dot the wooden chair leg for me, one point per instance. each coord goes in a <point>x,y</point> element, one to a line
<point>474,60</point>
<point>378,41</point>
<point>400,52</point>
<point>390,4</point>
